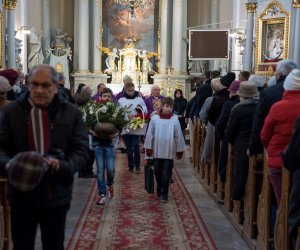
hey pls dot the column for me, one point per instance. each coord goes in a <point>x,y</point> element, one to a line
<point>83,36</point>
<point>214,19</point>
<point>177,36</point>
<point>24,54</point>
<point>46,24</point>
<point>11,51</point>
<point>97,8</point>
<point>251,9</point>
<point>184,37</point>
<point>296,30</point>
<point>164,31</point>
<point>235,50</point>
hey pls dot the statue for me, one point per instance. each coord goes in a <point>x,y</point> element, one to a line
<point>196,66</point>
<point>110,60</point>
<point>60,43</point>
<point>147,65</point>
<point>18,46</point>
<point>36,55</point>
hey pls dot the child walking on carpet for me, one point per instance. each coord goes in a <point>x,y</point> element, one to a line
<point>164,141</point>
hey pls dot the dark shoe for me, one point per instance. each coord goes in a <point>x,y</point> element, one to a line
<point>130,170</point>
<point>123,150</point>
<point>138,171</point>
<point>164,199</point>
<point>221,202</point>
<point>171,180</point>
<point>81,174</point>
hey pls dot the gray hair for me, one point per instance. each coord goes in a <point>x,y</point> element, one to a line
<point>155,86</point>
<point>284,67</point>
<point>37,68</point>
<point>258,79</point>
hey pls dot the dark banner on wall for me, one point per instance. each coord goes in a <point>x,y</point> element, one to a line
<point>208,44</point>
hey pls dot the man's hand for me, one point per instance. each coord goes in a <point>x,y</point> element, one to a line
<point>52,163</point>
<point>149,152</point>
<point>179,155</point>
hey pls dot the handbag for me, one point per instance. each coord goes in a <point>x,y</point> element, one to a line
<point>149,179</point>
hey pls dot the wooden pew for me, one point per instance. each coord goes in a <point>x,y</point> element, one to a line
<point>228,203</point>
<point>264,239</point>
<point>201,164</point>
<point>253,189</point>
<point>195,128</point>
<point>5,236</point>
<point>220,185</point>
<point>199,140</point>
<point>213,169</point>
<point>281,234</point>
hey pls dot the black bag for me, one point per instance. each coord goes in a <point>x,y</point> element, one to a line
<point>149,179</point>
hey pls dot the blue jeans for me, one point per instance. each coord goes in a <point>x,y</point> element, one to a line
<point>105,159</point>
<point>132,143</point>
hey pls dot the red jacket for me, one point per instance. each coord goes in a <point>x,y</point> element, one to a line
<point>278,126</point>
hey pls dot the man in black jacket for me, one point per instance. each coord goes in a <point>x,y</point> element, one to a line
<point>267,98</point>
<point>44,122</point>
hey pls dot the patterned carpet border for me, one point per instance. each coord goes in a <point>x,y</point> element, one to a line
<point>136,220</point>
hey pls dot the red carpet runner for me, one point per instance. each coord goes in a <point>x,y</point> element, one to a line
<point>135,220</point>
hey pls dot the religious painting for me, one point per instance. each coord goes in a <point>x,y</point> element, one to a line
<point>273,40</point>
<point>272,34</point>
<point>141,29</point>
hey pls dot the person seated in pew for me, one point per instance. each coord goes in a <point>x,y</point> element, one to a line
<point>238,133</point>
<point>278,126</point>
<point>291,161</point>
<point>221,125</point>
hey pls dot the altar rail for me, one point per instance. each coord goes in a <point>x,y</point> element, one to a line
<point>251,216</point>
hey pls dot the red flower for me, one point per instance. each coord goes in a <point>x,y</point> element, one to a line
<point>102,100</point>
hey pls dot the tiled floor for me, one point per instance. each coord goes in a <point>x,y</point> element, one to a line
<point>223,233</point>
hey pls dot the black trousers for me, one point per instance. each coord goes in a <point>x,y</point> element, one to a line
<point>24,222</point>
<point>162,174</point>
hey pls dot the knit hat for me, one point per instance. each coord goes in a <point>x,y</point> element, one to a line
<point>259,80</point>
<point>228,79</point>
<point>248,89</point>
<point>127,79</point>
<point>4,85</point>
<point>11,75</point>
<point>25,170</point>
<point>234,86</point>
<point>292,81</point>
<point>216,85</point>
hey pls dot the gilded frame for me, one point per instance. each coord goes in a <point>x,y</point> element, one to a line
<point>158,34</point>
<point>272,38</point>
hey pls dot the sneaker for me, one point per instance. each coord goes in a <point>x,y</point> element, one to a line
<point>138,171</point>
<point>102,200</point>
<point>110,191</point>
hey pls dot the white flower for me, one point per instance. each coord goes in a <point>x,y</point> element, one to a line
<point>104,109</point>
<point>84,118</point>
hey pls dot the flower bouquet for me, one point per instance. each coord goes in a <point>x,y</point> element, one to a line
<point>104,117</point>
<point>138,122</point>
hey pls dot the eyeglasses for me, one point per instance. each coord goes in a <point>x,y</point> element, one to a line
<point>36,85</point>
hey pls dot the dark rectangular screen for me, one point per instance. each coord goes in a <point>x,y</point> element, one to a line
<point>208,44</point>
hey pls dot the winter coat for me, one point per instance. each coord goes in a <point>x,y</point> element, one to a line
<point>202,93</point>
<point>267,98</point>
<point>278,126</point>
<point>179,109</point>
<point>217,105</point>
<point>237,133</point>
<point>67,135</point>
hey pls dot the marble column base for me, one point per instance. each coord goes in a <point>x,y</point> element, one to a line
<point>168,84</point>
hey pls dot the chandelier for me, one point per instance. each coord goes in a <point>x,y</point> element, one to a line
<point>132,4</point>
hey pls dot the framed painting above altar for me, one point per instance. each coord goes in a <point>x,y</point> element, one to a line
<point>142,29</point>
<point>272,34</point>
